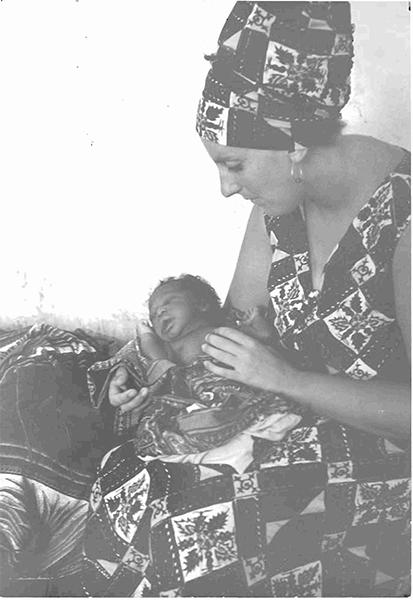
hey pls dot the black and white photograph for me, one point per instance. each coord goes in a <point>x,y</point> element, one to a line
<point>205,306</point>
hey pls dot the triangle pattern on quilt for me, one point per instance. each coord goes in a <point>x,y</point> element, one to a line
<point>109,566</point>
<point>359,551</point>
<point>382,578</point>
<point>273,528</point>
<point>316,505</point>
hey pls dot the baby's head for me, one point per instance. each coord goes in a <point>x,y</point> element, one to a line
<point>181,304</point>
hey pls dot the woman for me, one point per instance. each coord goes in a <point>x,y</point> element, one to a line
<point>327,247</point>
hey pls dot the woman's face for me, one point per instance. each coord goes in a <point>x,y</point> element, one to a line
<point>261,176</point>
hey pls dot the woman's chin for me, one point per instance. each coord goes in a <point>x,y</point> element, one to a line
<point>274,210</point>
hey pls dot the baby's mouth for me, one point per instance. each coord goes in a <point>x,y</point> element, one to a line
<point>167,324</point>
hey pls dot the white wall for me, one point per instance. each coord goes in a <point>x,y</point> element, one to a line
<point>104,186</point>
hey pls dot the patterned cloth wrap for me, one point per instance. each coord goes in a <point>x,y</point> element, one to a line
<point>51,441</point>
<point>323,512</point>
<point>190,410</point>
<point>280,77</point>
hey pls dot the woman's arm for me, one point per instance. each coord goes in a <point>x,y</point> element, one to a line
<point>402,286</point>
<point>377,406</point>
<point>249,283</point>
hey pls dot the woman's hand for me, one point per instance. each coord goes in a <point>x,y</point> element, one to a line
<point>248,360</point>
<point>120,395</point>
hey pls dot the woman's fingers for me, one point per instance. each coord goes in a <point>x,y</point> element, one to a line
<point>222,343</point>
<point>221,371</point>
<point>220,355</point>
<point>234,336</point>
<point>228,346</point>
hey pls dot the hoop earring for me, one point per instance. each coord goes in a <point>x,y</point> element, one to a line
<point>297,176</point>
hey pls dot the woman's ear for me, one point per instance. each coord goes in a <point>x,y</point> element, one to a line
<point>298,155</point>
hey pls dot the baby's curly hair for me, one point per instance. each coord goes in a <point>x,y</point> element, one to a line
<point>203,293</point>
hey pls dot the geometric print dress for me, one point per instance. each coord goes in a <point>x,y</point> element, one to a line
<point>350,323</point>
<point>324,512</point>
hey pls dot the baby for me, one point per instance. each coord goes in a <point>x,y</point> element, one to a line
<point>183,310</point>
<point>192,411</point>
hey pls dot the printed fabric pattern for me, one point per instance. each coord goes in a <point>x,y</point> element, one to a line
<point>349,326</point>
<point>51,442</point>
<point>49,430</point>
<point>325,512</point>
<point>280,76</point>
<point>190,410</point>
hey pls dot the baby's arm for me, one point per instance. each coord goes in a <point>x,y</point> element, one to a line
<point>156,351</point>
<point>253,322</point>
<point>151,345</point>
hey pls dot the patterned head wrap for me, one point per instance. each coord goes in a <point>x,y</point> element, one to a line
<point>280,77</point>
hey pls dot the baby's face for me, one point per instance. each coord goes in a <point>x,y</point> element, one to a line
<point>172,311</point>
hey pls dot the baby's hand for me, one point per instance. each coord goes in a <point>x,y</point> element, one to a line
<point>122,396</point>
<point>254,322</point>
<point>143,328</point>
<point>150,344</point>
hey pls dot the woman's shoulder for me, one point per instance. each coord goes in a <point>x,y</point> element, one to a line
<point>403,167</point>
<point>400,177</point>
<point>390,205</point>
<point>401,193</point>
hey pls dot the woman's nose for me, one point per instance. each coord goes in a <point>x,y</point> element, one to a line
<point>229,186</point>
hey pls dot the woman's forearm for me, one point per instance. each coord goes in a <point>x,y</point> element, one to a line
<point>377,406</point>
